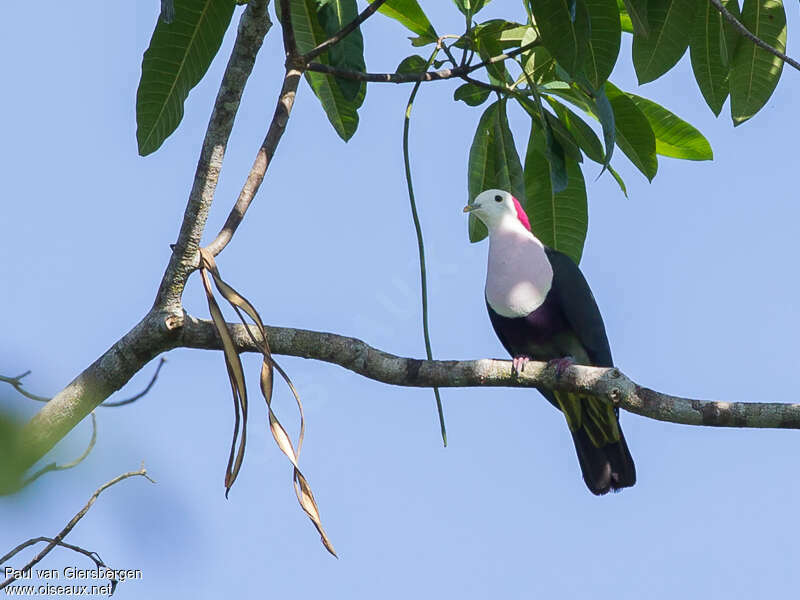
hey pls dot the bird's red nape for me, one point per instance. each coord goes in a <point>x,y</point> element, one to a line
<point>523,218</point>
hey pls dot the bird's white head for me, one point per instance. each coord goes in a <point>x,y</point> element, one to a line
<point>495,207</point>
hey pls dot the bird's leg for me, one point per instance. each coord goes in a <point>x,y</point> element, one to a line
<point>518,364</point>
<point>561,364</point>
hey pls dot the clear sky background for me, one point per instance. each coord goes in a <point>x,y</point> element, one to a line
<point>695,275</point>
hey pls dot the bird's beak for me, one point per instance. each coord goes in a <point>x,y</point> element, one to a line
<point>471,207</point>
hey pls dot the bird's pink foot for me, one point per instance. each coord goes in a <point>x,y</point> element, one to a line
<point>561,364</point>
<point>518,364</point>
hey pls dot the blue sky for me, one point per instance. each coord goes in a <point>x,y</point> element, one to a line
<point>693,274</point>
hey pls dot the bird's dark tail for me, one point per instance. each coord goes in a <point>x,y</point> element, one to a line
<point>604,468</point>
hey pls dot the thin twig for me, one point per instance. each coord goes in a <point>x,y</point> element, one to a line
<point>343,32</point>
<point>16,382</point>
<point>439,75</point>
<point>476,82</point>
<point>385,77</point>
<point>141,394</point>
<point>739,26</point>
<point>55,541</point>
<point>420,242</point>
<point>56,467</point>
<point>94,556</point>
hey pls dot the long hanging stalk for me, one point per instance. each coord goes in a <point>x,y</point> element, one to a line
<point>420,243</point>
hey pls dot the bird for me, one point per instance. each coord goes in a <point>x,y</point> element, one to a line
<point>542,308</point>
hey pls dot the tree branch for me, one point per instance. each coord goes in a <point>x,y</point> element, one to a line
<point>274,134</point>
<point>150,337</point>
<point>253,26</point>
<point>289,41</point>
<point>608,384</point>
<point>343,32</point>
<point>263,159</point>
<point>739,26</point>
<point>153,334</point>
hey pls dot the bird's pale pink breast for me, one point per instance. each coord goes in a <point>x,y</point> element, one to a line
<point>518,275</point>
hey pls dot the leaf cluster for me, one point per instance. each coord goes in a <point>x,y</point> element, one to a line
<point>554,61</point>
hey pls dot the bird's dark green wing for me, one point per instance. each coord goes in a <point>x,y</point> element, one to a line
<point>580,308</point>
<point>605,460</point>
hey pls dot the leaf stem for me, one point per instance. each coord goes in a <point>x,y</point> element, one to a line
<point>420,242</point>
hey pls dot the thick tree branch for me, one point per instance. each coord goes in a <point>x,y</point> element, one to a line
<point>150,337</point>
<point>609,384</point>
<point>253,26</point>
<point>739,26</point>
<point>343,32</point>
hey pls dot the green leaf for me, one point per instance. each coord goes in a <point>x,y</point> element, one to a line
<point>711,47</point>
<point>556,142</point>
<point>619,180</point>
<point>601,108</point>
<point>637,14</point>
<point>564,38</point>
<point>471,94</point>
<point>634,133</point>
<point>755,72</point>
<point>506,34</point>
<point>412,64</point>
<point>515,36</point>
<point>674,136</point>
<point>624,18</point>
<point>670,30</point>
<point>539,65</point>
<point>598,107</point>
<point>349,52</point>
<point>584,135</point>
<point>604,40</point>
<point>410,14</point>
<point>309,32</point>
<point>470,8</point>
<point>493,162</point>
<point>486,41</point>
<point>564,138</point>
<point>176,60</point>
<point>559,220</point>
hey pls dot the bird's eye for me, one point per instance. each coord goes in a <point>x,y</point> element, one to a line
<point>498,198</point>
